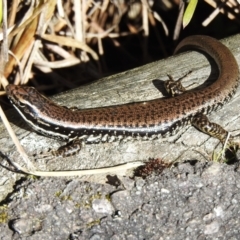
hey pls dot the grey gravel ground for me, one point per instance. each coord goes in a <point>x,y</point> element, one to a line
<point>190,201</point>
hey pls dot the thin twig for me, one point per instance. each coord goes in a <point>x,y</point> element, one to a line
<point>121,170</point>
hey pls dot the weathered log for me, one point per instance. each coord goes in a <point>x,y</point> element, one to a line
<point>139,84</point>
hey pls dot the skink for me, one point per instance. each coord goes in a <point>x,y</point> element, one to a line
<point>149,120</point>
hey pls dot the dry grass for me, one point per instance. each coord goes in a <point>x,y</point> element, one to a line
<point>53,35</point>
<point>60,43</point>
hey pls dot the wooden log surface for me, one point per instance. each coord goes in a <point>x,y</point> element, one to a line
<point>139,84</point>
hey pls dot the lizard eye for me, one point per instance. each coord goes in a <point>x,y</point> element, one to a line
<point>28,111</point>
<point>22,105</point>
<point>16,103</point>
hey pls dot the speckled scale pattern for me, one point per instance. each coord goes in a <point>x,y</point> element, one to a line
<point>160,117</point>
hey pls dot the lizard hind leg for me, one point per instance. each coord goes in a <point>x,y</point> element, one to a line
<point>175,88</point>
<point>201,122</point>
